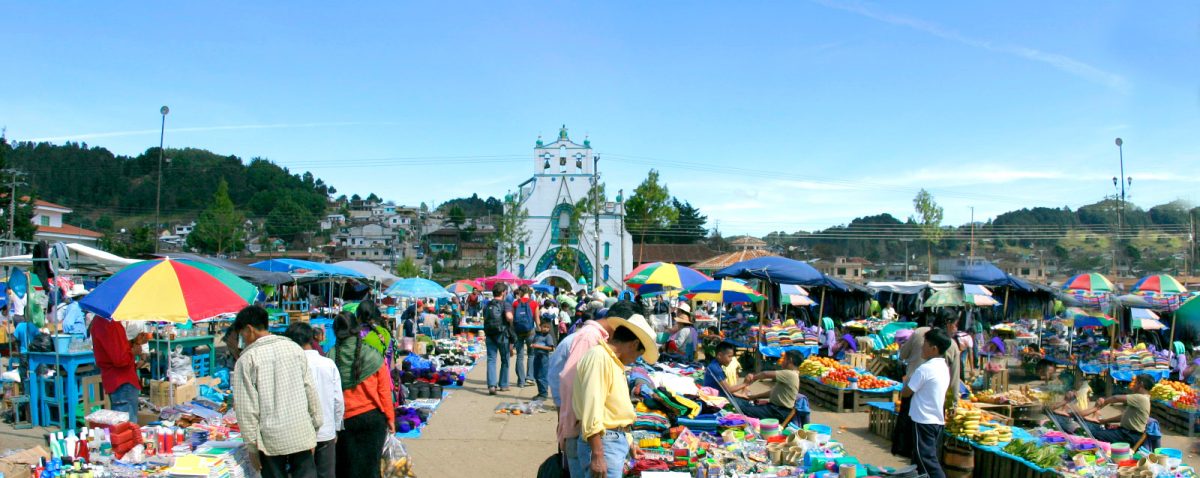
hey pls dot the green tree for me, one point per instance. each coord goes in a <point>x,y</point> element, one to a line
<point>929,216</point>
<point>219,228</point>
<point>289,220</point>
<point>648,210</point>
<point>688,226</point>
<point>407,268</point>
<point>510,230</point>
<point>456,216</point>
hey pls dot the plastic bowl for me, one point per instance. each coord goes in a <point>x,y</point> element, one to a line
<point>1174,456</point>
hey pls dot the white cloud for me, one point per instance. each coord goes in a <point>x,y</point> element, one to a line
<point>1060,62</point>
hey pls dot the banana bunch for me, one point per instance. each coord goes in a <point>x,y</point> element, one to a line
<point>1003,433</point>
<point>964,423</point>
<point>988,438</point>
<point>812,368</point>
<point>986,396</point>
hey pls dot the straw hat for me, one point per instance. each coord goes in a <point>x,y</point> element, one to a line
<point>134,328</point>
<point>684,307</point>
<point>683,319</point>
<point>638,325</point>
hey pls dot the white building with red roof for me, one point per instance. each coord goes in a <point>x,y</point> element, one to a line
<point>50,227</point>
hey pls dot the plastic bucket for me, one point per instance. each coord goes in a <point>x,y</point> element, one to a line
<point>62,343</point>
<point>823,431</point>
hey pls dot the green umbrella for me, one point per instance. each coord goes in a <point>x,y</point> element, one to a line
<point>952,297</point>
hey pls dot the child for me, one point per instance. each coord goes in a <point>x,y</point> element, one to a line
<point>542,344</point>
<point>714,374</point>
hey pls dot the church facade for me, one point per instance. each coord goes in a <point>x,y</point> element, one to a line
<point>562,241</point>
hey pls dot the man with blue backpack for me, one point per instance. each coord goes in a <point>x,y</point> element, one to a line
<point>497,328</point>
<point>524,323</point>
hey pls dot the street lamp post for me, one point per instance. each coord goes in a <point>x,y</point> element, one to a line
<point>158,195</point>
<point>596,218</point>
<point>906,241</point>
<point>1120,183</point>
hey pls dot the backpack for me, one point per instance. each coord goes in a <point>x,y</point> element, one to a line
<point>523,317</point>
<point>553,467</point>
<point>493,318</point>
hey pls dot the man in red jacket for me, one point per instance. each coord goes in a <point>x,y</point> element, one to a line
<point>116,347</point>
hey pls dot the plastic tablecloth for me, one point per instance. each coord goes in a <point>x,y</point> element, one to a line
<point>778,351</point>
<point>1127,375</point>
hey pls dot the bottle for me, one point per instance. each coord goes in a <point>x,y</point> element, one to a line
<point>71,442</point>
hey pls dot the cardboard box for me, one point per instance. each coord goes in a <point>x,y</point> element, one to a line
<point>161,393</point>
<point>146,417</point>
<point>17,464</point>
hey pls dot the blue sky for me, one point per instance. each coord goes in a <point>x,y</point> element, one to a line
<point>766,115</point>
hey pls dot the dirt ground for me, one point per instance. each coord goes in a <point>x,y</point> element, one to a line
<point>465,438</point>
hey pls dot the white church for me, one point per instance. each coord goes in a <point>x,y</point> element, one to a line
<point>563,172</point>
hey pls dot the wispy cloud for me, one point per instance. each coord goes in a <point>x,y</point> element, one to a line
<point>1061,62</point>
<point>141,132</point>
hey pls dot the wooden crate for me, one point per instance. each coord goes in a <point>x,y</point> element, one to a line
<point>988,464</point>
<point>857,360</point>
<point>997,381</point>
<point>881,422</point>
<point>835,399</point>
<point>861,399</point>
<point>1173,418</point>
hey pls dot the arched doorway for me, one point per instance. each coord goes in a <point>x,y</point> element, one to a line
<point>557,278</point>
<point>548,262</point>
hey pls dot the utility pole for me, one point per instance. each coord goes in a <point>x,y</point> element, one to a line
<point>971,257</point>
<point>906,241</point>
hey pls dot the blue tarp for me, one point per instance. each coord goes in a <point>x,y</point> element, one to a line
<point>990,275</point>
<point>780,270</point>
<point>306,268</point>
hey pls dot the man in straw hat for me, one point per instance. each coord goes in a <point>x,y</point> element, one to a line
<point>601,397</point>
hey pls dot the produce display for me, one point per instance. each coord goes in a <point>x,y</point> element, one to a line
<point>964,422</point>
<point>994,436</point>
<point>840,377</point>
<point>1043,456</point>
<point>817,366</point>
<point>1019,397</point>
<point>871,382</point>
<point>1178,394</point>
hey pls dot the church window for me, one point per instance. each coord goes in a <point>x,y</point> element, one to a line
<point>521,269</point>
<point>606,272</point>
<point>607,246</point>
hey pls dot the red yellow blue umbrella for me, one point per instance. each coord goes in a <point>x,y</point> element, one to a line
<point>660,276</point>
<point>463,287</point>
<point>164,290</point>
<point>724,291</point>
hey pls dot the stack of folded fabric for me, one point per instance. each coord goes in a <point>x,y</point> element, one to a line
<point>652,421</point>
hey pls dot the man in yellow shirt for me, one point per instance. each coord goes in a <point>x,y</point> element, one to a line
<point>601,398</point>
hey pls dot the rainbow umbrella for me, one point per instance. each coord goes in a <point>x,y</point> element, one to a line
<point>1159,284</point>
<point>607,289</point>
<point>1081,318</point>
<point>660,276</point>
<point>165,290</point>
<point>463,287</point>
<point>722,291</point>
<point>238,285</point>
<point>1091,282</point>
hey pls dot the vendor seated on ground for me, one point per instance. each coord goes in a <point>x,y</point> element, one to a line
<point>714,373</point>
<point>780,399</point>
<point>1130,425</point>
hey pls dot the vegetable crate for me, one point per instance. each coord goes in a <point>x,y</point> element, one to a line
<point>882,422</point>
<point>857,360</point>
<point>1174,418</point>
<point>998,380</point>
<point>989,464</point>
<point>835,399</point>
<point>862,397</point>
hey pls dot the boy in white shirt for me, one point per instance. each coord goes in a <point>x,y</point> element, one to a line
<point>927,386</point>
<point>329,390</point>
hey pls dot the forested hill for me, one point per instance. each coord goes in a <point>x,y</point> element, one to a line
<point>94,180</point>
